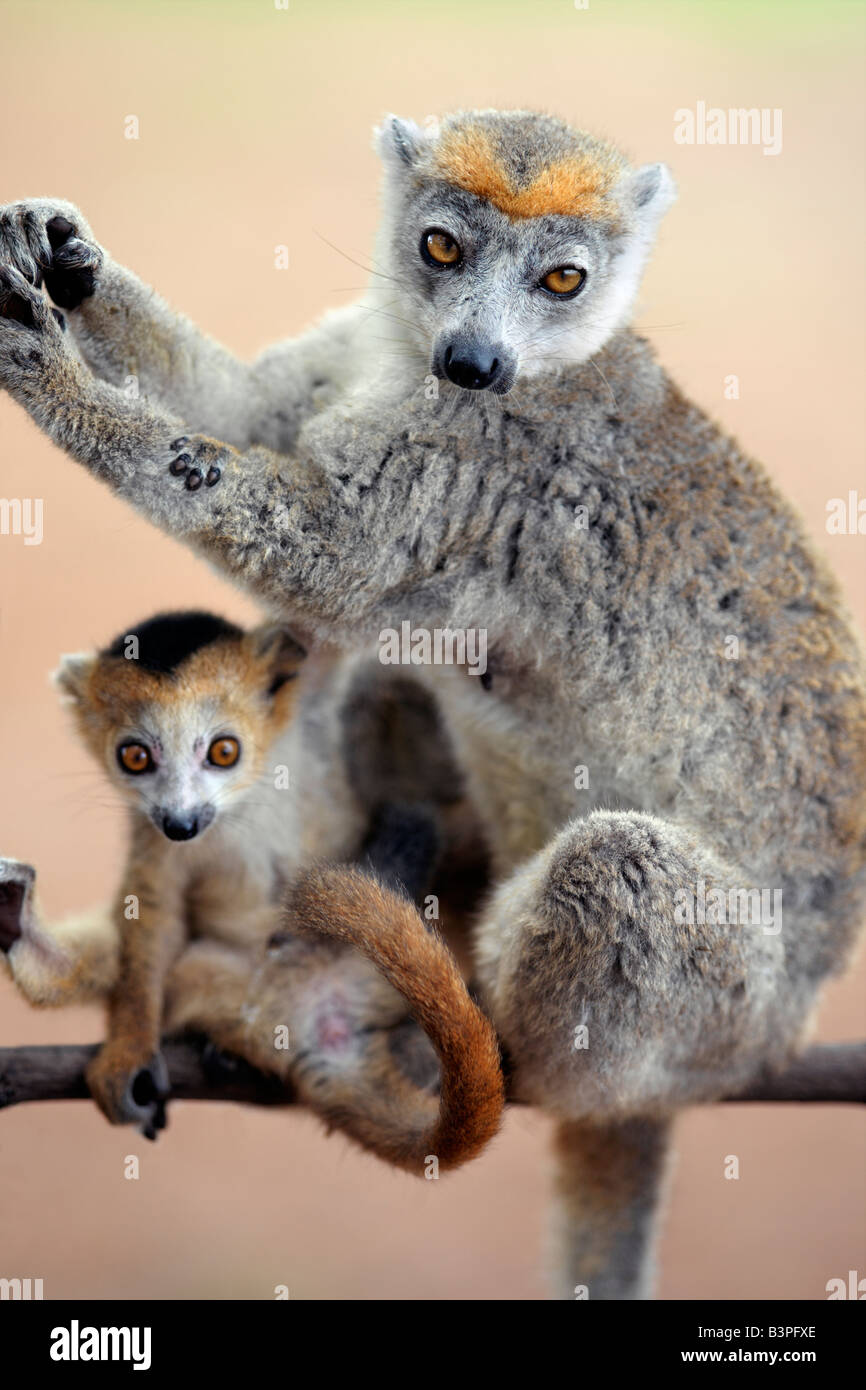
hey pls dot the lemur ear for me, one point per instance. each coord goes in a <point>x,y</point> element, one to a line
<point>648,193</point>
<point>399,142</point>
<point>274,645</point>
<point>73,674</point>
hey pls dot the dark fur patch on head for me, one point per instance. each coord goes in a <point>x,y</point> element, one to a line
<point>166,640</point>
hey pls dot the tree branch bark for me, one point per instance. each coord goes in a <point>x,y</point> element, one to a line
<point>832,1073</point>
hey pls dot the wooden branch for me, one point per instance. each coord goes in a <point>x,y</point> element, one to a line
<point>833,1073</point>
<point>829,1072</point>
<point>57,1073</point>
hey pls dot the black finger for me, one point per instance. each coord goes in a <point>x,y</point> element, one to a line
<point>68,287</point>
<point>59,230</point>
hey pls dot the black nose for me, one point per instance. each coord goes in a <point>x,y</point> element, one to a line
<point>177,829</point>
<point>471,365</point>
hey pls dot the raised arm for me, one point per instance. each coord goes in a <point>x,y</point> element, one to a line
<point>126,334</point>
<point>370,510</point>
<point>131,338</point>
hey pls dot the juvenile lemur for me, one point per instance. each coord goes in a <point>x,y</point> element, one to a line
<point>207,733</point>
<point>513,458</point>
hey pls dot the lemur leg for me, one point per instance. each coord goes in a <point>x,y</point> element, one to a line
<point>627,974</point>
<point>131,338</point>
<point>68,962</point>
<point>623,986</point>
<point>314,1013</point>
<point>215,989</point>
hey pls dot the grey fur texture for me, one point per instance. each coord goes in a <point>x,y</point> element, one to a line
<point>609,538</point>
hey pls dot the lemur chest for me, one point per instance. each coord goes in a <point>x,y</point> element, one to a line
<point>235,888</point>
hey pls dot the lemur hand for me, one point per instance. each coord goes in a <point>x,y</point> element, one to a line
<point>32,340</point>
<point>129,1089</point>
<point>47,239</point>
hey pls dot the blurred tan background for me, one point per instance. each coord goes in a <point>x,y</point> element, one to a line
<point>255,131</point>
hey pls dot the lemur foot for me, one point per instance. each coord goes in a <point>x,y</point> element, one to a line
<point>47,239</point>
<point>129,1092</point>
<point>198,461</point>
<point>16,888</point>
<point>41,969</point>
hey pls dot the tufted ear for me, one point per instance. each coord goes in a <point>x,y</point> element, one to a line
<point>73,674</point>
<point>399,142</point>
<point>647,193</point>
<point>278,651</point>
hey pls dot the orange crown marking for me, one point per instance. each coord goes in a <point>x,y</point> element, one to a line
<point>578,185</point>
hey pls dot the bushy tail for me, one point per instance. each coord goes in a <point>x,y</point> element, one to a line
<point>609,1182</point>
<point>349,905</point>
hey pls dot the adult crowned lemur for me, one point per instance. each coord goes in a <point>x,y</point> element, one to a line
<point>484,443</point>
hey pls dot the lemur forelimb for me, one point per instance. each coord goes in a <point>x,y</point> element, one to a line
<point>129,337</point>
<point>214,496</point>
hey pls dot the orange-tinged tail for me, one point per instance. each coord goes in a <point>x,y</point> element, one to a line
<point>349,905</point>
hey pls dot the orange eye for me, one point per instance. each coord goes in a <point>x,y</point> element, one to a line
<point>567,279</point>
<point>224,752</point>
<point>438,248</point>
<point>134,757</point>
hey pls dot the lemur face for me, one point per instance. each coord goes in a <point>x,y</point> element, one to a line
<point>183,711</point>
<point>517,244</point>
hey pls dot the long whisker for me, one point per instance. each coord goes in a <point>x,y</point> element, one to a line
<point>368,268</point>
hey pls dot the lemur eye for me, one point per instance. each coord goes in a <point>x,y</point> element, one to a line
<point>566,280</point>
<point>224,752</point>
<point>134,757</point>
<point>438,248</point>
